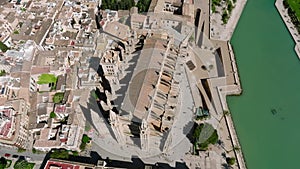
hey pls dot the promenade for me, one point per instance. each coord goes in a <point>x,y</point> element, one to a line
<point>219,31</point>
<point>224,91</point>
<point>287,20</point>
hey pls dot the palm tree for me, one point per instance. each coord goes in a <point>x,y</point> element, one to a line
<point>225,113</point>
<point>235,148</point>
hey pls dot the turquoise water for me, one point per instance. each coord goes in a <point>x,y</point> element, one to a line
<point>270,75</point>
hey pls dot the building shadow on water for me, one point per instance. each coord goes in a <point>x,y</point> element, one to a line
<point>135,163</point>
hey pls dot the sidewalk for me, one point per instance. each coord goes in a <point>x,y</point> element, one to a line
<point>218,31</point>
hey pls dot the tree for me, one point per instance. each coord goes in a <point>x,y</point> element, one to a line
<point>225,113</point>
<point>213,138</point>
<point>20,150</point>
<point>72,22</point>
<point>2,72</point>
<point>85,139</point>
<point>23,164</point>
<point>52,115</point>
<point>223,155</point>
<point>216,2</point>
<point>75,153</point>
<point>285,4</point>
<point>3,47</point>
<point>16,32</point>
<point>213,8</point>
<point>117,4</point>
<point>235,148</point>
<point>3,163</point>
<point>225,17</point>
<point>197,132</point>
<point>230,160</point>
<point>143,5</point>
<point>229,7</point>
<point>58,97</point>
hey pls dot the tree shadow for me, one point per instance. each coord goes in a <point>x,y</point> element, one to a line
<point>223,155</point>
<point>226,166</point>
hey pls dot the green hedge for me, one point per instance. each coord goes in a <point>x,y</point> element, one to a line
<point>60,154</point>
<point>58,97</point>
<point>23,164</point>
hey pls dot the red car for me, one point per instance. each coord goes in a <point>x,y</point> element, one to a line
<point>7,155</point>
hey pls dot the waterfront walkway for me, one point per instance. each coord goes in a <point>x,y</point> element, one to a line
<point>218,30</point>
<point>233,89</point>
<point>287,20</point>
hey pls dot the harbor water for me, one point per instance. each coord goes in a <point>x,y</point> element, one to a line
<point>267,114</point>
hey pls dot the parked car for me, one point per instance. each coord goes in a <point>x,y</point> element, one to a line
<point>15,156</point>
<point>6,155</point>
<point>27,158</point>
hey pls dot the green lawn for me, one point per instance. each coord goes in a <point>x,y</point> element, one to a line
<point>47,78</point>
<point>94,95</point>
<point>204,134</point>
<point>295,6</point>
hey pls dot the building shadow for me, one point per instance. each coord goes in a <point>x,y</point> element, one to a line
<point>47,157</point>
<point>188,130</point>
<point>92,105</point>
<point>135,163</point>
<point>94,63</point>
<point>163,140</point>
